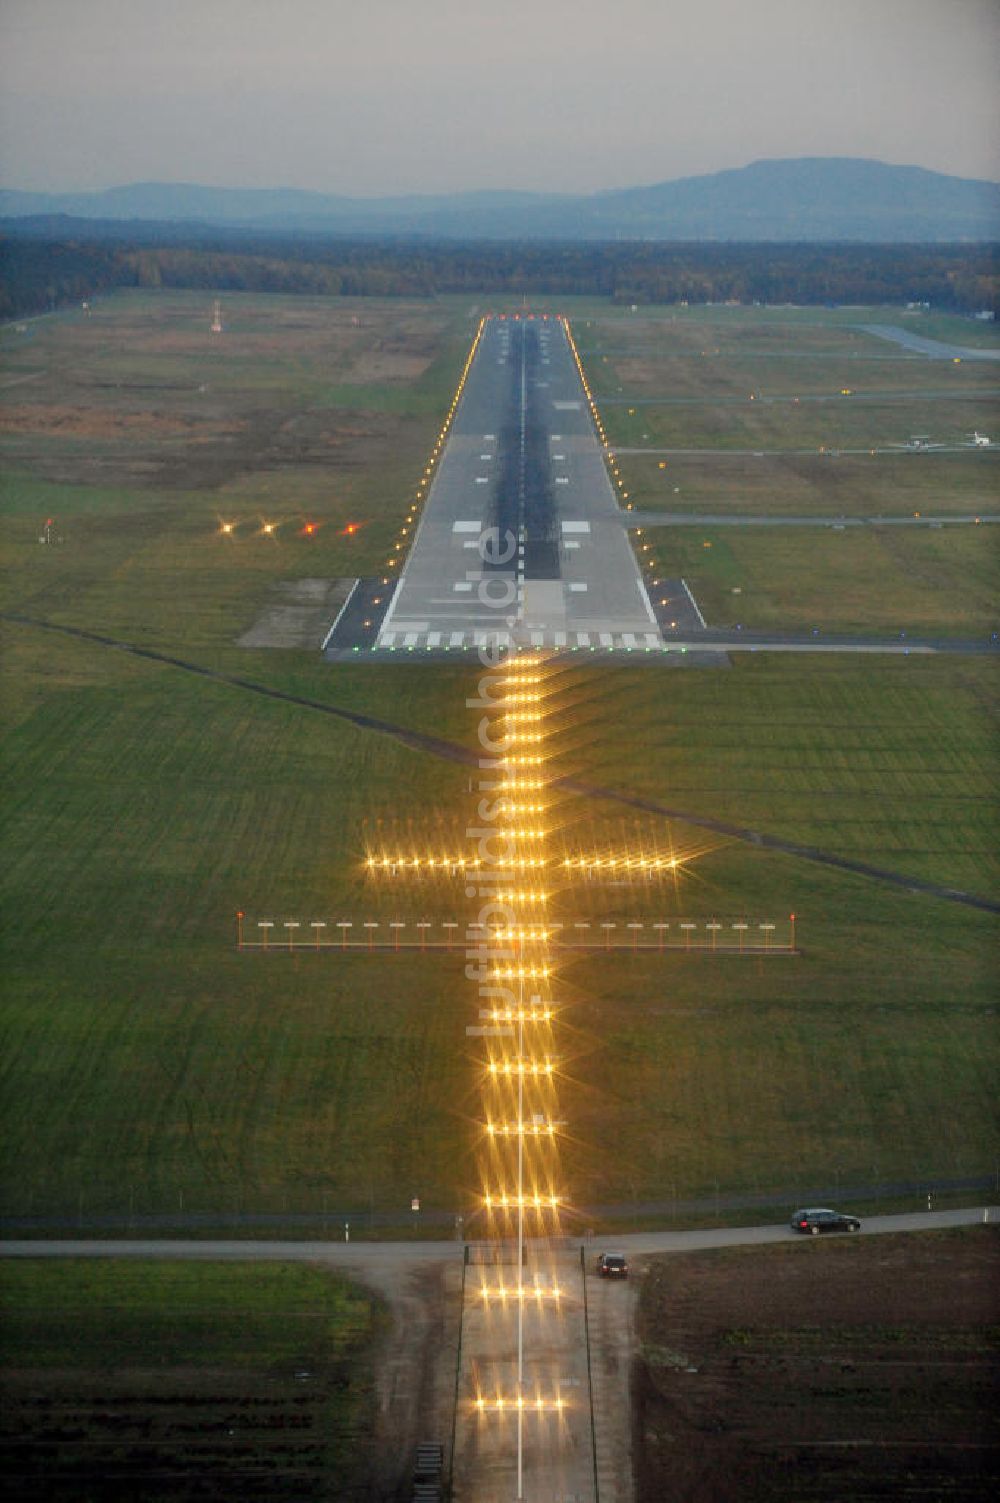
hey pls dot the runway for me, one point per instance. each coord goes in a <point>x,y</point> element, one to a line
<point>521,541</point>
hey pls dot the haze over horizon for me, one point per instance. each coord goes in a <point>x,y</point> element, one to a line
<point>449,96</point>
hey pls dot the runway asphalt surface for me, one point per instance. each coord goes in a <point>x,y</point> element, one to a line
<point>520,540</point>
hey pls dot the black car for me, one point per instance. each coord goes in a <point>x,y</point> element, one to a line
<point>814,1222</point>
<point>612,1265</point>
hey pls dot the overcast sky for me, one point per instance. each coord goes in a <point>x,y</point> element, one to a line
<point>389,96</point>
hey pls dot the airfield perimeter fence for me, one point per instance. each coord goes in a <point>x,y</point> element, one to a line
<point>121,1210</point>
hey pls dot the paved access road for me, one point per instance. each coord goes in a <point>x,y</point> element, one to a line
<point>376,1257</point>
<point>520,533</point>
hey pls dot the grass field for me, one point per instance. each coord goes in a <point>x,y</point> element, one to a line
<point>703,366</point>
<point>764,408</point>
<point>150,1068</point>
<point>127,1379</point>
<point>883,579</point>
<point>814,485</point>
<point>813,426</point>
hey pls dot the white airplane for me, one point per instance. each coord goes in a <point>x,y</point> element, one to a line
<point>980,441</point>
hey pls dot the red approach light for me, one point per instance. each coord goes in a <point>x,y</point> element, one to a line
<point>309,529</point>
<point>351,529</point>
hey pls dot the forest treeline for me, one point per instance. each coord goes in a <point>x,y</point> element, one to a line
<point>41,273</point>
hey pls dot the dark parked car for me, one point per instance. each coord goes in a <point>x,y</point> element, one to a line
<point>612,1265</point>
<point>815,1222</point>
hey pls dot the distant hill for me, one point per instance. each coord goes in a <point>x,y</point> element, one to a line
<point>796,199</point>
